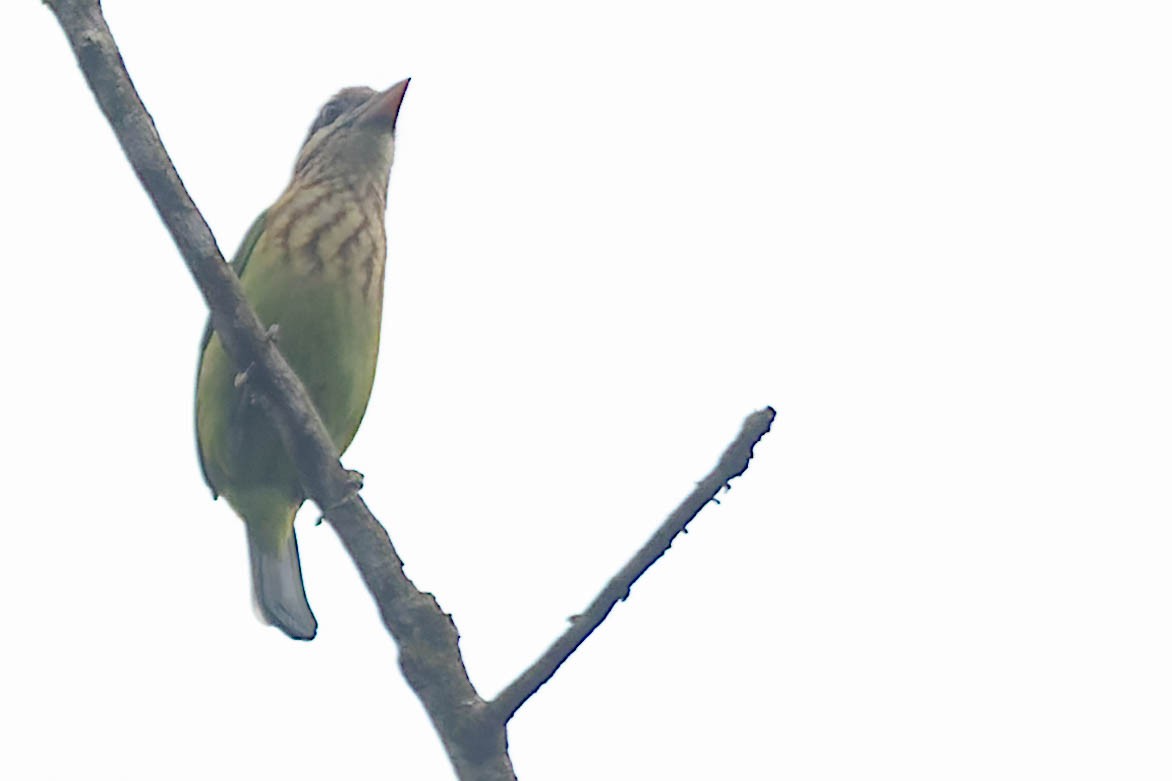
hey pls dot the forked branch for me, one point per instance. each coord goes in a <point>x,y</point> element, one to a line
<point>472,730</point>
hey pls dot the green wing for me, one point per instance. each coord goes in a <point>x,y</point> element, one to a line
<point>238,264</point>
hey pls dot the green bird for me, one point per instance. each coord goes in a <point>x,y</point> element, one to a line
<point>312,264</point>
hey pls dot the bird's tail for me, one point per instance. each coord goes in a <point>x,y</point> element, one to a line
<point>277,589</point>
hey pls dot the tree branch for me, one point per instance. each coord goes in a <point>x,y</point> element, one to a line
<point>428,642</point>
<point>732,464</point>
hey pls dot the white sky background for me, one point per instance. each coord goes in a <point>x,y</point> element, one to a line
<point>935,236</point>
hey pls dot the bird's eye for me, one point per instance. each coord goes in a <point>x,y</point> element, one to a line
<point>328,114</point>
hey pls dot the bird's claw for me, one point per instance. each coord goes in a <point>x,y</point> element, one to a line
<point>354,482</point>
<point>272,332</point>
<point>355,479</point>
<point>241,378</point>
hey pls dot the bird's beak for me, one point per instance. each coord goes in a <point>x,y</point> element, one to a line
<point>383,108</point>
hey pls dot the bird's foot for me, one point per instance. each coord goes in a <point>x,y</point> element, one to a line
<point>354,482</point>
<point>241,378</point>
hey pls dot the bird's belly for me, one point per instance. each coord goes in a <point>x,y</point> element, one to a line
<point>328,330</point>
<point>316,273</point>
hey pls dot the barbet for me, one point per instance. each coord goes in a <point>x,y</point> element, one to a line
<point>312,265</point>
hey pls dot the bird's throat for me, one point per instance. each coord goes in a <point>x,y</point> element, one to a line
<point>332,230</point>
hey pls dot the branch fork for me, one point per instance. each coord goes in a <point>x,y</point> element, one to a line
<point>473,730</point>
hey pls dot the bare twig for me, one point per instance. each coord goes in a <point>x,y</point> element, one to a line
<point>732,464</point>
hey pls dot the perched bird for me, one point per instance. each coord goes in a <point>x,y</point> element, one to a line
<point>312,264</point>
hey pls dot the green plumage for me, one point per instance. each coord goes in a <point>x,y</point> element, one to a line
<point>312,264</point>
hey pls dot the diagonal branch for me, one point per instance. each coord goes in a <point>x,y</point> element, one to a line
<point>732,464</point>
<point>428,642</point>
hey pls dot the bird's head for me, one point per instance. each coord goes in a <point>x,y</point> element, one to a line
<point>353,136</point>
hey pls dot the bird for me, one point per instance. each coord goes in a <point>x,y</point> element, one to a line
<point>312,267</point>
